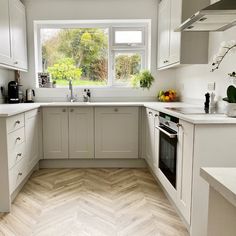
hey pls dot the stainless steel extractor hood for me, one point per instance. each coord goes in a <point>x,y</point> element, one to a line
<point>216,17</point>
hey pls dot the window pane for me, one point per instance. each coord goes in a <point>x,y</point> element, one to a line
<point>126,65</point>
<point>127,37</point>
<point>80,54</point>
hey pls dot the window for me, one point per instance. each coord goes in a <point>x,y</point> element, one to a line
<point>90,54</point>
<point>126,65</point>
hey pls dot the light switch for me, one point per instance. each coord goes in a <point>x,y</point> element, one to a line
<point>211,86</point>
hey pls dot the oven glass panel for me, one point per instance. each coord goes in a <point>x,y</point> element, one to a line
<point>167,157</point>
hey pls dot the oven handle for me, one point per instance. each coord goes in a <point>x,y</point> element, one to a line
<point>165,132</point>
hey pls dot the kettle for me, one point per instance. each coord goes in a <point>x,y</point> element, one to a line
<point>29,95</point>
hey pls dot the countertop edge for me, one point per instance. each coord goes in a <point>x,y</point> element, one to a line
<point>220,187</point>
<point>160,107</point>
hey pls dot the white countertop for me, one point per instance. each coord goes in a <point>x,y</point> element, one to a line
<point>13,109</point>
<point>222,180</point>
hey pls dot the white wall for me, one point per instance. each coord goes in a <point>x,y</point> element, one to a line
<point>5,77</point>
<point>94,9</point>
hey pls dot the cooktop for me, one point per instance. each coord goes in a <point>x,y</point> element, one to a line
<point>195,110</point>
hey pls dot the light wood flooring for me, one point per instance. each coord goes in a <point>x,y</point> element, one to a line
<point>92,202</point>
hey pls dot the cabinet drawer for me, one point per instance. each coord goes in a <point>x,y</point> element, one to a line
<point>15,139</point>
<point>15,122</point>
<point>17,174</point>
<point>15,155</point>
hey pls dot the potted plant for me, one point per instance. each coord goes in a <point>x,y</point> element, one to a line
<point>54,84</point>
<point>225,49</point>
<point>144,79</point>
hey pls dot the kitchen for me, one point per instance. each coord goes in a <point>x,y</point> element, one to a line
<point>69,166</point>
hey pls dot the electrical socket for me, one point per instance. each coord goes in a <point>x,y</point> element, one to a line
<point>211,86</point>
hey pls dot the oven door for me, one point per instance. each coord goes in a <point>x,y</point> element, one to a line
<point>168,153</point>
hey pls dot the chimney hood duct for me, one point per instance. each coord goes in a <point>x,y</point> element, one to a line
<point>216,17</point>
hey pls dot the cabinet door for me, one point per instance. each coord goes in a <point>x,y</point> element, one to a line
<point>5,49</point>
<point>18,34</point>
<point>156,141</point>
<point>185,168</point>
<point>152,139</point>
<point>149,134</point>
<point>164,18</point>
<point>81,132</point>
<point>116,132</point>
<point>55,133</point>
<point>32,137</point>
<point>175,37</point>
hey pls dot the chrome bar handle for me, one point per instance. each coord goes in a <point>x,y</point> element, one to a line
<point>167,133</point>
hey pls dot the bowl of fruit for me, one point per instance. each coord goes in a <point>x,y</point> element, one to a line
<point>167,96</point>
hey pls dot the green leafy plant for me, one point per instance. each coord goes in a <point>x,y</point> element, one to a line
<point>65,69</point>
<point>144,79</point>
<point>225,49</point>
<point>231,94</point>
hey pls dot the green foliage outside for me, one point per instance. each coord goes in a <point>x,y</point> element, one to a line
<point>82,55</point>
<point>65,69</point>
<point>79,54</point>
<point>127,65</point>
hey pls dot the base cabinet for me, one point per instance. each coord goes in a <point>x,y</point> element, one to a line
<point>88,132</point>
<point>18,153</point>
<point>55,133</point>
<point>182,194</point>
<point>81,133</point>
<point>185,169</point>
<point>32,137</point>
<point>151,138</point>
<point>116,132</point>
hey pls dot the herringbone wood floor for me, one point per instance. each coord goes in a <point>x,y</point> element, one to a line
<point>96,202</point>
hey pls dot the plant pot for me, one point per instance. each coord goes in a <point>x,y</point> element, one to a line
<point>231,110</point>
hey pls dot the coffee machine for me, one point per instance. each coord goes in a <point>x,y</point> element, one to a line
<point>13,92</point>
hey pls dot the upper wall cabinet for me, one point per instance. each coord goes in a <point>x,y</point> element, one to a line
<point>13,49</point>
<point>175,48</point>
<point>5,48</point>
<point>18,34</point>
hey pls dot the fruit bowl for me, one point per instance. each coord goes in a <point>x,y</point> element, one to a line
<point>167,96</point>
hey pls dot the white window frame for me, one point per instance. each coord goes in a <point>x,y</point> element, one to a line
<point>114,52</point>
<point>142,29</point>
<point>112,25</point>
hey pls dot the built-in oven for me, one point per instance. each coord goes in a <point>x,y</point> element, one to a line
<point>168,127</point>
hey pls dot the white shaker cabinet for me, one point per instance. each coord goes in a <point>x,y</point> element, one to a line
<point>81,132</point>
<point>185,168</point>
<point>164,17</point>
<point>13,45</point>
<point>32,137</point>
<point>55,133</point>
<point>151,138</point>
<point>18,34</point>
<point>18,153</point>
<point>116,132</point>
<point>176,48</point>
<point>5,48</point>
